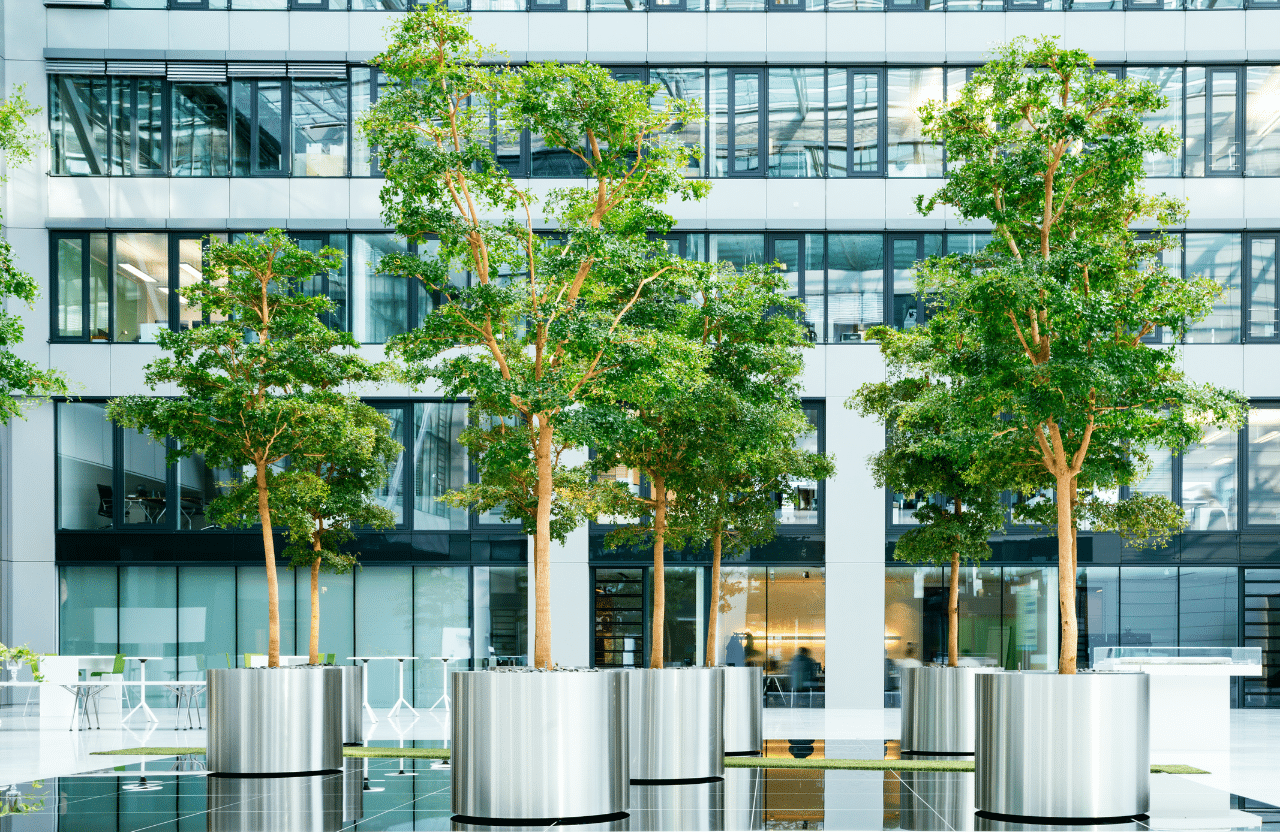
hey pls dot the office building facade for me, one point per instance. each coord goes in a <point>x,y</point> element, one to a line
<point>170,120</point>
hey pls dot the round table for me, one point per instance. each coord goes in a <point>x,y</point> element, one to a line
<point>401,700</point>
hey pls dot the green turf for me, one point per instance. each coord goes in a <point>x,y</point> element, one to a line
<point>393,752</point>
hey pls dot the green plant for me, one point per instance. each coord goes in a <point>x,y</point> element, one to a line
<point>22,655</point>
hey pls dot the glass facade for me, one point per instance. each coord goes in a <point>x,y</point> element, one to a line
<point>194,617</point>
<point>789,122</point>
<point>781,6</point>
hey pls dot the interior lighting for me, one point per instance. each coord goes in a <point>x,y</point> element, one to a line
<point>1268,436</point>
<point>138,273</point>
<point>191,270</point>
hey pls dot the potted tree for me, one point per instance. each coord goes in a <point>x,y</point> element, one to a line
<point>1043,339</point>
<point>526,337</point>
<point>955,518</point>
<point>332,492</point>
<point>259,387</point>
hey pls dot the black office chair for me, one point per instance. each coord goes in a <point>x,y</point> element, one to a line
<point>106,504</point>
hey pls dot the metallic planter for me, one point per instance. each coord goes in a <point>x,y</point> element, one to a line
<point>539,745</point>
<point>1053,746</point>
<point>352,789</point>
<point>926,796</point>
<point>743,710</point>
<point>677,723</point>
<point>275,804</point>
<point>938,709</point>
<point>352,703</point>
<point>284,720</point>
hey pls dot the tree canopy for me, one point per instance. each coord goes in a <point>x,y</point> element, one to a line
<point>263,391</point>
<point>1043,339</point>
<point>526,324</point>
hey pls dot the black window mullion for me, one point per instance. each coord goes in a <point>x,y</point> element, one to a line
<point>118,502</point>
<point>111,288</point>
<point>86,271</point>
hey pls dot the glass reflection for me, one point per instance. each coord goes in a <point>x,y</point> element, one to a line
<point>910,153</point>
<point>855,285</point>
<point>1209,482</point>
<point>1216,256</point>
<point>1262,117</point>
<point>319,115</point>
<point>86,494</point>
<point>687,84</point>
<point>141,286</point>
<point>1264,466</point>
<point>796,116</point>
<point>243,804</point>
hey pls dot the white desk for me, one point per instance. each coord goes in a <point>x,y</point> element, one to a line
<point>395,709</point>
<point>444,667</point>
<point>56,703</point>
<point>142,692</point>
<point>82,691</point>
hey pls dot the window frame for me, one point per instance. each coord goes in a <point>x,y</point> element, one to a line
<point>881,125</point>
<point>1243,479</point>
<point>1246,288</point>
<point>1210,72</point>
<point>762,122</point>
<point>286,132</point>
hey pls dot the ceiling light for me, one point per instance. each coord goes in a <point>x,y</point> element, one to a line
<point>191,270</point>
<point>138,273</point>
<point>1268,436</point>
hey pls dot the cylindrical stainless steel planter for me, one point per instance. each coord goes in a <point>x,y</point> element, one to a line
<point>938,710</point>
<point>539,745</point>
<point>352,704</point>
<point>284,720</point>
<point>677,723</point>
<point>743,799</point>
<point>743,710</point>
<point>926,796</point>
<point>352,789</point>
<point>275,804</point>
<point>1051,746</point>
<point>677,807</point>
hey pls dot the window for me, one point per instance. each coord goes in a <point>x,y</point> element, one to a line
<point>804,505</point>
<point>1216,256</point>
<point>737,130</point>
<point>1262,118</point>
<point>81,297</point>
<point>141,279</point>
<point>910,153</point>
<point>1213,99</point>
<point>260,119</point>
<point>855,285</point>
<point>687,84</point>
<point>328,284</point>
<point>797,129</point>
<point>1263,466</point>
<point>1263,289</point>
<point>137,116</point>
<point>380,303</point>
<point>319,117</point>
<point>1169,81</point>
<point>79,121</point>
<point>910,309</point>
<point>1209,482</point>
<point>201,138</point>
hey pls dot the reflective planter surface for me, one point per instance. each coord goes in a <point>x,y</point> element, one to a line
<point>677,723</point>
<point>743,710</point>
<point>283,720</point>
<point>938,709</point>
<point>539,745</point>
<point>1051,746</point>
<point>352,703</point>
<point>309,803</point>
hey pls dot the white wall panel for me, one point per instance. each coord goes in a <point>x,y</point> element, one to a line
<point>24,32</point>
<point>1210,198</point>
<point>320,32</point>
<point>558,37</point>
<point>1214,33</point>
<point>365,30</point>
<point>855,203</point>
<point>913,37</point>
<point>678,37</point>
<point>127,373</point>
<point>1155,34</point>
<point>795,203</point>
<point>1259,371</point>
<point>1262,201</point>
<point>1220,364</point>
<point>900,200</point>
<point>141,197</point>
<point>1262,31</point>
<point>192,197</point>
<point>974,34</point>
<point>364,198</point>
<point>76,28</point>
<point>319,197</point>
<point>26,194</point>
<point>797,37</point>
<point>1032,24</point>
<point>260,31</point>
<point>259,198</point>
<point>200,29</point>
<point>138,29</point>
<point>736,37</point>
<point>625,37</point>
<point>571,597</point>
<point>508,32</point>
<point>855,37</point>
<point>1101,34</point>
<point>31,254</point>
<point>855,628</point>
<point>87,365</point>
<point>79,196</point>
<point>737,203</point>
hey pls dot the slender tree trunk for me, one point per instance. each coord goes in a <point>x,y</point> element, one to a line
<point>269,553</point>
<point>542,548</point>
<point>1067,575</point>
<point>713,617</point>
<point>659,572</point>
<point>314,645</point>
<point>953,613</point>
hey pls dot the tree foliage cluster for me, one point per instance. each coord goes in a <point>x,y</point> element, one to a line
<point>1035,372</point>
<point>594,335</point>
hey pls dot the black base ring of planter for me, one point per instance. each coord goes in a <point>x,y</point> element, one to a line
<point>253,775</point>
<point>1059,821</point>
<point>575,821</point>
<point>742,754</point>
<point>686,781</point>
<point>936,753</point>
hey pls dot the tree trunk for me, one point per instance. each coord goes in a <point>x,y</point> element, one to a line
<point>953,613</point>
<point>713,617</point>
<point>269,553</point>
<point>542,548</point>
<point>314,645</point>
<point>1066,575</point>
<point>659,571</point>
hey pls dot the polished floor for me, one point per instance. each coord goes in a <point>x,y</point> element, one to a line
<point>58,786</point>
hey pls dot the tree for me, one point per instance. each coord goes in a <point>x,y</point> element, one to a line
<point>261,387</point>
<point>956,515</point>
<point>717,441</point>
<point>540,319</point>
<point>21,378</point>
<point>1042,336</point>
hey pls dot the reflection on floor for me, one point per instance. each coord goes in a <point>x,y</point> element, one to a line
<point>175,794</point>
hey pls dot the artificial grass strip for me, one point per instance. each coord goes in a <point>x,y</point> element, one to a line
<point>394,753</point>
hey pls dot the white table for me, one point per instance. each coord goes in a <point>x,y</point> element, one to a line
<point>444,693</point>
<point>395,709</point>
<point>260,660</point>
<point>142,693</point>
<point>83,691</point>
